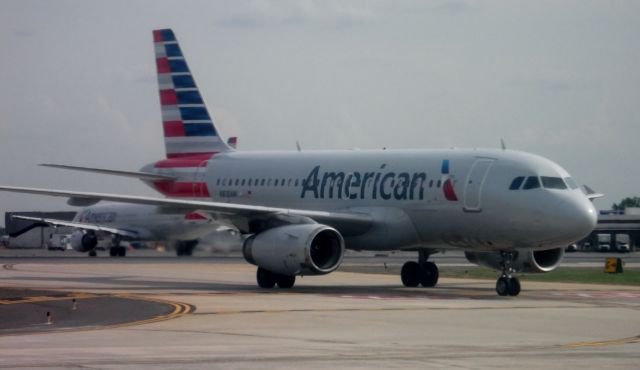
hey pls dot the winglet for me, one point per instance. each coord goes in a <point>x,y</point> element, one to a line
<point>590,193</point>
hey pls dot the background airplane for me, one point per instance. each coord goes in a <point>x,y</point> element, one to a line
<point>509,210</point>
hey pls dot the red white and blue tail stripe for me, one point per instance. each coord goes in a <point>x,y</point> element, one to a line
<point>189,131</point>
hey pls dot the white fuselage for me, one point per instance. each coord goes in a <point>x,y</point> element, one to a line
<point>407,195</point>
<point>149,222</point>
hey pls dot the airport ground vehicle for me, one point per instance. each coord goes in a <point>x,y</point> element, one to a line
<point>604,243</point>
<point>623,243</point>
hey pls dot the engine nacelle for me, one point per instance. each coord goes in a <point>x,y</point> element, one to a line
<point>83,241</point>
<point>304,249</point>
<point>525,261</point>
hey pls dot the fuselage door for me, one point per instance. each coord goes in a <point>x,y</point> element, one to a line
<point>473,185</point>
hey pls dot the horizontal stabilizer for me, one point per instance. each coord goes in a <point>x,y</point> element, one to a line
<point>137,174</point>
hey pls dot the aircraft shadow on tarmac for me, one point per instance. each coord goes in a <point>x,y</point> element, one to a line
<point>466,290</point>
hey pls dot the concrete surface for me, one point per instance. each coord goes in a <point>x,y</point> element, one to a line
<point>338,321</point>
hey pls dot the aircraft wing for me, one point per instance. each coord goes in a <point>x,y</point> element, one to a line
<point>80,225</point>
<point>136,174</point>
<point>352,222</point>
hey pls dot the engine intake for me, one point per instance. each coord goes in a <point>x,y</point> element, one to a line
<point>305,249</point>
<point>526,261</point>
<point>83,241</point>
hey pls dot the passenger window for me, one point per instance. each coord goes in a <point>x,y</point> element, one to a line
<point>516,183</point>
<point>553,183</point>
<point>532,183</point>
<point>572,184</point>
<point>249,182</point>
<point>262,182</point>
<point>243,181</point>
<point>237,182</point>
<point>296,184</point>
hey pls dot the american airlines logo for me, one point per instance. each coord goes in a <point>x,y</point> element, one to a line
<point>373,185</point>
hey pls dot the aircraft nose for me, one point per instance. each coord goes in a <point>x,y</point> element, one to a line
<point>577,216</point>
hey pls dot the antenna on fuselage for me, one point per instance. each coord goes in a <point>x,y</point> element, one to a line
<point>502,144</point>
<point>298,146</point>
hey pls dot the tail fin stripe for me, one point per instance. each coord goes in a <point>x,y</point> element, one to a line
<point>197,129</point>
<point>184,81</point>
<point>172,50</point>
<point>178,65</point>
<point>163,35</point>
<point>163,65</point>
<point>173,129</point>
<point>168,97</point>
<point>189,97</point>
<point>194,114</point>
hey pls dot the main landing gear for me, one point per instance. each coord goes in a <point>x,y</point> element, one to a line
<point>185,248</point>
<point>507,284</point>
<point>267,279</point>
<point>423,272</point>
<point>116,249</point>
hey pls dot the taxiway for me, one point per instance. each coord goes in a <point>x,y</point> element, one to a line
<point>147,313</point>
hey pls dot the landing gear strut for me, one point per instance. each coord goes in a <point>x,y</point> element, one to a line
<point>507,284</point>
<point>423,272</point>
<point>267,279</point>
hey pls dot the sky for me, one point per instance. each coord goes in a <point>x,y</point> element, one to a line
<point>555,78</point>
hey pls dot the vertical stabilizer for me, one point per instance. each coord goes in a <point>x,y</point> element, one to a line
<point>189,131</point>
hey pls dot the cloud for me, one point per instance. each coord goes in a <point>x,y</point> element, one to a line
<point>457,6</point>
<point>261,14</point>
<point>23,33</point>
<point>553,82</point>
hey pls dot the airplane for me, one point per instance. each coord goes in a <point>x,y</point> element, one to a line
<point>134,222</point>
<point>299,210</point>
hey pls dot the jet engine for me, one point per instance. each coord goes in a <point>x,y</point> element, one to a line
<point>524,261</point>
<point>83,241</point>
<point>305,249</point>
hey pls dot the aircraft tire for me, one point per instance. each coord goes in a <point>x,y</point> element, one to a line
<point>285,281</point>
<point>122,251</point>
<point>429,275</point>
<point>410,274</point>
<point>266,279</point>
<point>514,287</point>
<point>503,286</point>
<point>93,253</point>
<point>113,251</point>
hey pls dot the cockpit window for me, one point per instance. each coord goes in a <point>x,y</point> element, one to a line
<point>515,184</point>
<point>553,182</point>
<point>572,184</point>
<point>531,183</point>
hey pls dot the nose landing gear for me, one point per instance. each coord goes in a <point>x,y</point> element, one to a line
<point>423,272</point>
<point>507,284</point>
